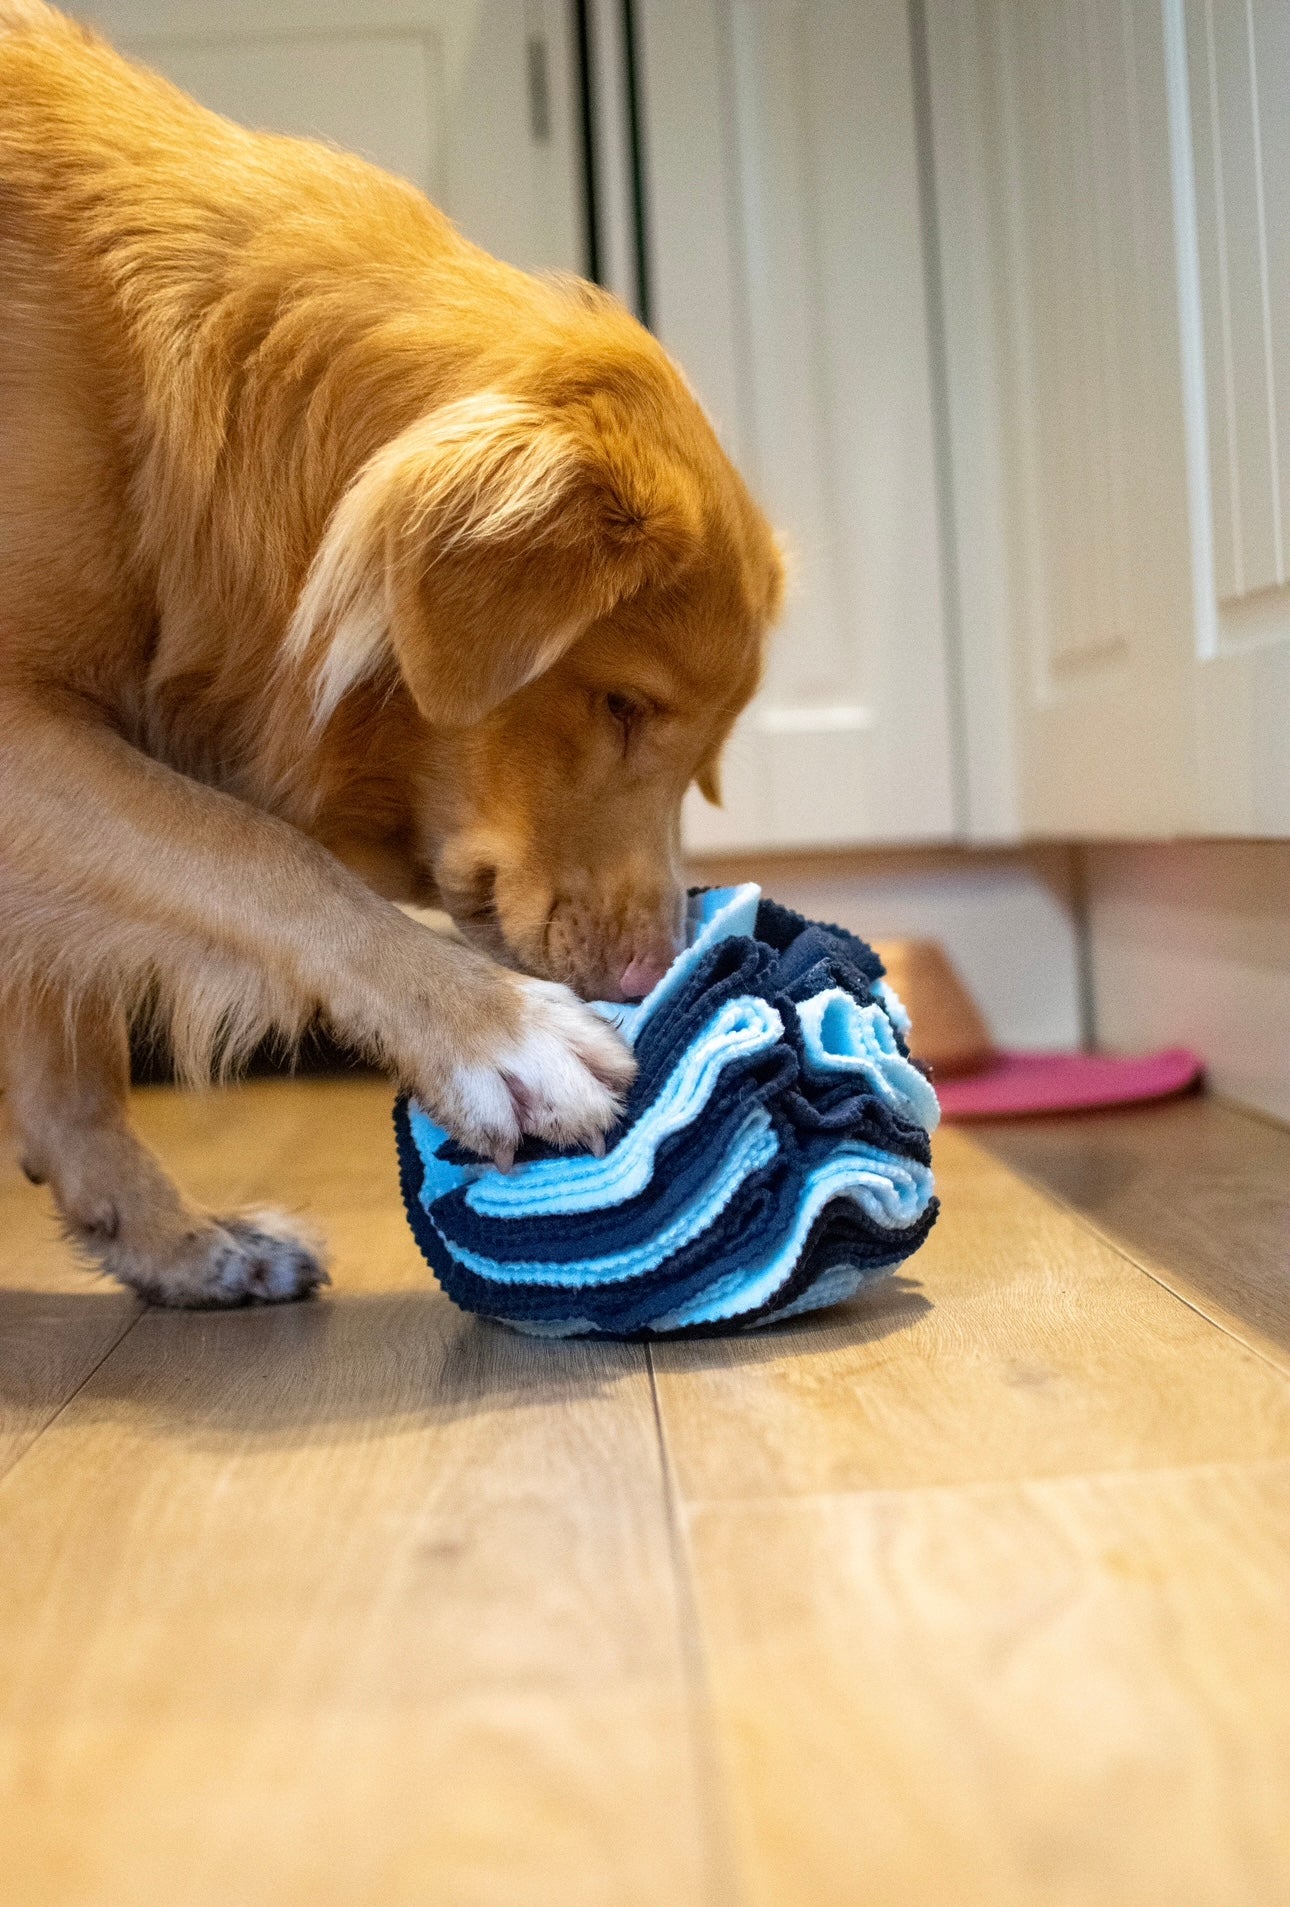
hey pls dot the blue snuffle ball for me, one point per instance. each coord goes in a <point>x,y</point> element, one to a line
<point>773,1155</point>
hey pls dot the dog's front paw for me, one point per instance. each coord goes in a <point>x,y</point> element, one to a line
<point>253,1258</point>
<point>561,1075</point>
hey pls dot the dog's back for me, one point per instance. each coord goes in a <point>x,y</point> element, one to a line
<point>150,252</point>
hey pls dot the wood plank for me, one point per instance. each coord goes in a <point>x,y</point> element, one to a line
<point>1065,1676</point>
<point>359,1601</point>
<point>362,1601</point>
<point>321,1150</point>
<point>1017,1345</point>
<point>1196,1191</point>
<point>56,1321</point>
<point>1074,1692</point>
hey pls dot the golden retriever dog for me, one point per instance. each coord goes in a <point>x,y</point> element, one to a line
<point>340,566</point>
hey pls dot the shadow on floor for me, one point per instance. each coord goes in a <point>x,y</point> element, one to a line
<point>353,1364</point>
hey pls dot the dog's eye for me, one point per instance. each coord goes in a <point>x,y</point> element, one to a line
<point>625,712</point>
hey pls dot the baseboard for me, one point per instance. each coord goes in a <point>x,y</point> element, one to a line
<point>1190,944</point>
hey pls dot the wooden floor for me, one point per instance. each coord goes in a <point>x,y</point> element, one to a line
<point>973,1594</point>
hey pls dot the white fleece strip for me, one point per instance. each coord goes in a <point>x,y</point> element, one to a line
<point>834,1288</point>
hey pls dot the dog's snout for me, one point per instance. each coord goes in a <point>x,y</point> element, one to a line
<point>641,975</point>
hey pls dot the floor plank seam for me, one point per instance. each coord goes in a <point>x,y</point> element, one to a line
<point>990,1486</point>
<point>726,1887</point>
<point>1261,1349</point>
<point>1245,1111</point>
<point>21,1456</point>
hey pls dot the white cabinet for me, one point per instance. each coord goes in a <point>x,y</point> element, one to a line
<point>1113,184</point>
<point>789,279</point>
<point>1229,68</point>
<point>473,100</point>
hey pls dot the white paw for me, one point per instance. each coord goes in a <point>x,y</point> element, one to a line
<point>254,1258</point>
<point>562,1078</point>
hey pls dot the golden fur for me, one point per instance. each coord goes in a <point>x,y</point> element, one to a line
<point>340,564</point>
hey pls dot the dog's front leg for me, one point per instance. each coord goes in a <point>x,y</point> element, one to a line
<point>65,1068</point>
<point>117,873</point>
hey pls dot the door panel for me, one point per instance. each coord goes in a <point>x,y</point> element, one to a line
<point>1231,123</point>
<point>795,294</point>
<point>1092,424</point>
<point>473,100</point>
<point>1124,388</point>
<point>379,95</point>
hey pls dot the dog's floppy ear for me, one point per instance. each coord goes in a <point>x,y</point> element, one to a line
<point>478,545</point>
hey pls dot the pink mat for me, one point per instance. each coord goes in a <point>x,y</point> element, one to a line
<point>1020,1083</point>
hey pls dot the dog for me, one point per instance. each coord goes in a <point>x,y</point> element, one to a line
<point>341,566</point>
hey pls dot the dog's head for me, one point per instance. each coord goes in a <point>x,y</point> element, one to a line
<point>575,587</point>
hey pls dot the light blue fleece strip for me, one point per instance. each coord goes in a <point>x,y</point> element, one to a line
<point>834,1288</point>
<point>840,1037</point>
<point>439,1176</point>
<point>565,1328</point>
<point>754,1146</point>
<point>587,1184</point>
<point>891,1191</point>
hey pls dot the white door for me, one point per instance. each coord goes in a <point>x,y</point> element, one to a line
<point>473,100</point>
<point>788,277</point>
<point>1051,135</point>
<point>1113,183</point>
<point>1230,73</point>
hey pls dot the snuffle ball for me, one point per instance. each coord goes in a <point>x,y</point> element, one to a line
<point>773,1155</point>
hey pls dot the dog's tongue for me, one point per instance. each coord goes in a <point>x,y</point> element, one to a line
<point>640,977</point>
